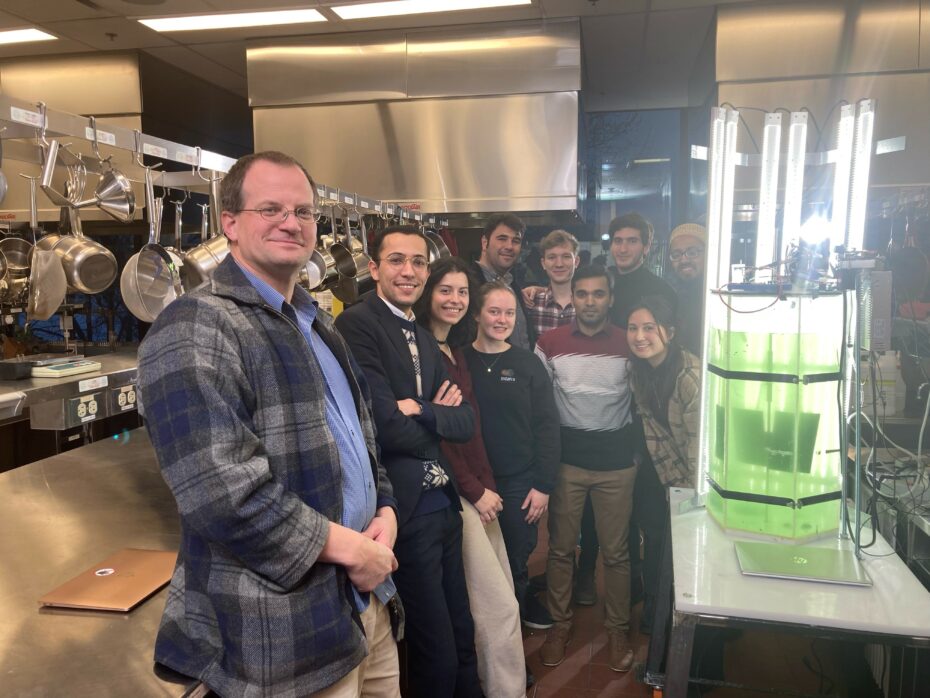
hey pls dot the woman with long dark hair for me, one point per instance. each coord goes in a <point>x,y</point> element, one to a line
<point>444,309</point>
<point>666,382</point>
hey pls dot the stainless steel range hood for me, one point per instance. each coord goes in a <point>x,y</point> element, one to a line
<point>462,120</point>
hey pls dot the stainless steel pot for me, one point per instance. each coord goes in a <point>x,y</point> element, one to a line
<point>352,262</point>
<point>312,273</point>
<point>150,280</point>
<point>437,246</point>
<point>201,261</point>
<point>89,266</point>
<point>18,254</point>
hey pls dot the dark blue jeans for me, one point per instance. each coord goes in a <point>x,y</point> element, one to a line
<point>519,536</point>
<point>430,579</point>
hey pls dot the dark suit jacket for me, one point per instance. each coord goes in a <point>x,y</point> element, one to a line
<point>378,344</point>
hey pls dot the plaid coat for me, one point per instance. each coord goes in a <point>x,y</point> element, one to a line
<point>233,400</point>
<point>674,450</point>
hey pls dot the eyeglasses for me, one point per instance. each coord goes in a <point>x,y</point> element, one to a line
<point>397,261</point>
<point>690,253</point>
<point>279,214</point>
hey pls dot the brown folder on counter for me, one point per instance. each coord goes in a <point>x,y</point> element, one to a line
<point>119,583</point>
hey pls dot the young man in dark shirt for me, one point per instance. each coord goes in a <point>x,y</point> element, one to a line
<point>630,239</point>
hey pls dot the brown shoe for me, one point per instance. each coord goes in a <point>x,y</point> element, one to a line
<point>619,651</point>
<point>552,653</point>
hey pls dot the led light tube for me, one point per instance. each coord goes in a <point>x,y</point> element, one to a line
<point>234,20</point>
<point>794,176</point>
<point>413,7</point>
<point>722,142</point>
<point>22,36</point>
<point>726,205</point>
<point>861,163</point>
<point>768,190</point>
<point>841,174</point>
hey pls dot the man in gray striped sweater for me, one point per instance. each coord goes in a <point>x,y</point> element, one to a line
<point>587,361</point>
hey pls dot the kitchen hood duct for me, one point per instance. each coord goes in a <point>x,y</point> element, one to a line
<point>461,120</point>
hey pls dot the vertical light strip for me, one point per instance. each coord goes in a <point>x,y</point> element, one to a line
<point>718,262</point>
<point>768,190</point>
<point>714,188</point>
<point>841,174</point>
<point>794,176</point>
<point>730,157</point>
<point>861,163</point>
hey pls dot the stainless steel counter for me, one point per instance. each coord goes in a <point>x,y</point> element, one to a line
<point>61,515</point>
<point>119,367</point>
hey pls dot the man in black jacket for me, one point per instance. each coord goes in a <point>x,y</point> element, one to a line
<point>415,405</point>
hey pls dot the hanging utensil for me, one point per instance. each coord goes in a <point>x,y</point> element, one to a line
<point>201,261</point>
<point>48,285</point>
<point>174,249</point>
<point>356,279</point>
<point>18,254</point>
<point>150,279</point>
<point>89,266</point>
<point>113,195</point>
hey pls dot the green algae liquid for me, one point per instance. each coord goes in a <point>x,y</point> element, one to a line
<point>767,435</point>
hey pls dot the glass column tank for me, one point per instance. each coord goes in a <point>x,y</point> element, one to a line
<point>772,396</point>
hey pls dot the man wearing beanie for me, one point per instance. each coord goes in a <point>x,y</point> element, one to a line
<point>686,250</point>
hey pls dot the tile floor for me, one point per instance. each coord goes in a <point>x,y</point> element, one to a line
<point>783,662</point>
<point>585,671</point>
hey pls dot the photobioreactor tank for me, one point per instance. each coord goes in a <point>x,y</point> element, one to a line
<point>773,383</point>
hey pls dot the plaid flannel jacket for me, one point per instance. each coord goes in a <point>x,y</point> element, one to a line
<point>233,400</point>
<point>674,450</point>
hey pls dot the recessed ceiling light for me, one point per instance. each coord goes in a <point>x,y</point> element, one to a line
<point>232,21</point>
<point>414,7</point>
<point>21,36</point>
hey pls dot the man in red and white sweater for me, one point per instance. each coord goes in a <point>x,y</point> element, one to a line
<point>587,361</point>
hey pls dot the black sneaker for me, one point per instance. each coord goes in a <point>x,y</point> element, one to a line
<point>535,614</point>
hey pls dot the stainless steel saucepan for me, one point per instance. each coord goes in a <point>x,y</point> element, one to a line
<point>201,261</point>
<point>150,279</point>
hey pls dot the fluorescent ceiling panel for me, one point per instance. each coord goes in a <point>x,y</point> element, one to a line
<point>415,7</point>
<point>21,36</point>
<point>232,20</point>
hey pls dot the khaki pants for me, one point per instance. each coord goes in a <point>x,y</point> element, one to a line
<point>612,499</point>
<point>494,608</point>
<point>378,676</point>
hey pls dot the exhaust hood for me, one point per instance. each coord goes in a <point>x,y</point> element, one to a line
<point>461,120</point>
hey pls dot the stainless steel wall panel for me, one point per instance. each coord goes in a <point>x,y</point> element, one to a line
<point>924,48</point>
<point>325,70</point>
<point>102,83</point>
<point>825,37</point>
<point>487,60</point>
<point>903,103</point>
<point>515,152</point>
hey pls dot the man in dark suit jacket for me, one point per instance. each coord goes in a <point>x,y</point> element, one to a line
<point>415,405</point>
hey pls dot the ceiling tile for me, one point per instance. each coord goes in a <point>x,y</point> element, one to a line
<point>50,10</point>
<point>586,8</point>
<point>229,54</point>
<point>43,48</point>
<point>127,8</point>
<point>110,33</point>
<point>192,62</point>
